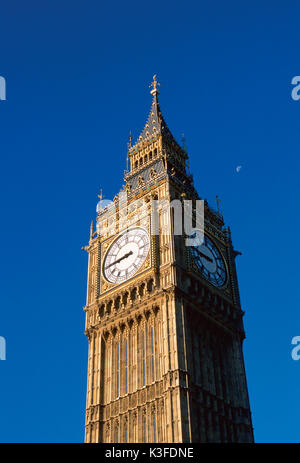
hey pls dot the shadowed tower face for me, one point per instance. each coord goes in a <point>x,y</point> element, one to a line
<point>163,319</point>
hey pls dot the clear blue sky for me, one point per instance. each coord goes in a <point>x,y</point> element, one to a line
<point>77,77</point>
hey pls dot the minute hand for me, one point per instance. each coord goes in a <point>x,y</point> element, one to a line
<point>119,260</point>
<point>201,254</point>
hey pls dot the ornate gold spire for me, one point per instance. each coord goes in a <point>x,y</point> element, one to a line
<point>154,84</point>
<point>92,230</point>
<point>155,124</point>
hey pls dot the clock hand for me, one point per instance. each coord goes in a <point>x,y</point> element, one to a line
<point>204,255</point>
<point>119,260</point>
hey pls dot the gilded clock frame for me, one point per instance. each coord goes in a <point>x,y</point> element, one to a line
<point>106,285</point>
<point>221,249</point>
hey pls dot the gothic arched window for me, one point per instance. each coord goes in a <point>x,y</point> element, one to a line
<point>134,433</point>
<point>154,428</point>
<point>126,433</point>
<point>118,369</point>
<point>145,429</point>
<point>126,366</point>
<point>107,433</point>
<point>144,358</point>
<point>152,354</point>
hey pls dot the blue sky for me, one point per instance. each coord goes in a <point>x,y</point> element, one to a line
<point>77,78</point>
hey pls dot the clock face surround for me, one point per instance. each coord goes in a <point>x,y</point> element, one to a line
<point>126,255</point>
<point>208,260</point>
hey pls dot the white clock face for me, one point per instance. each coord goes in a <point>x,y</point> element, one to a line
<point>126,255</point>
<point>209,261</point>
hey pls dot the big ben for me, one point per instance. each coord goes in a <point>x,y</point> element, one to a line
<point>163,318</point>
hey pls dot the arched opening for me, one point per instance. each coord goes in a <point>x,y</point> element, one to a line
<point>150,285</point>
<point>101,310</point>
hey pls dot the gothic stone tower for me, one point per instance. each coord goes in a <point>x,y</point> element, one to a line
<point>163,320</point>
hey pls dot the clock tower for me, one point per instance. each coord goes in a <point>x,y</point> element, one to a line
<point>163,317</point>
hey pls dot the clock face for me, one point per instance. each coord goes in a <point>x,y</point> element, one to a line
<point>126,255</point>
<point>209,261</point>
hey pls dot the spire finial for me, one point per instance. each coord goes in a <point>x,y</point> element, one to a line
<point>129,139</point>
<point>217,200</point>
<point>101,197</point>
<point>154,84</point>
<point>128,149</point>
<point>92,230</point>
<point>183,141</point>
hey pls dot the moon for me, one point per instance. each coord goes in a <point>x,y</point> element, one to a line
<point>238,168</point>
